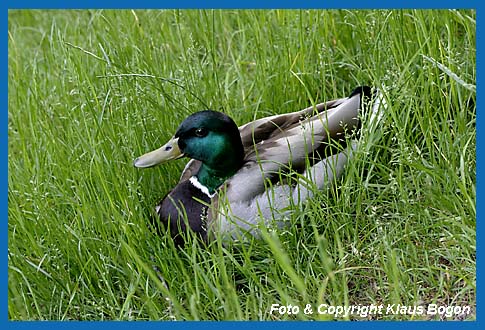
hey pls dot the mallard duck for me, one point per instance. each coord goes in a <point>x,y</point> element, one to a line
<point>241,178</point>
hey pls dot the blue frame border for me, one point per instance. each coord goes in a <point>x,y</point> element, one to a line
<point>24,4</point>
<point>225,4</point>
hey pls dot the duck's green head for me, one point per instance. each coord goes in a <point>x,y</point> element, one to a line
<point>209,136</point>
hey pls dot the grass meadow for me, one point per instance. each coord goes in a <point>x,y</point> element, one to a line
<point>90,90</point>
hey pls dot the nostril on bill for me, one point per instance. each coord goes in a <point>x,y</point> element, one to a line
<point>168,148</point>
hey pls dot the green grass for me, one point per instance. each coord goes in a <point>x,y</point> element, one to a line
<point>91,90</point>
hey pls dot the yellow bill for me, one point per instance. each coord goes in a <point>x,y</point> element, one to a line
<point>167,152</point>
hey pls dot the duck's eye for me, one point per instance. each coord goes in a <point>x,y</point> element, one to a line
<point>200,132</point>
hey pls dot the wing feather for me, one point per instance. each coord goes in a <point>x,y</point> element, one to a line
<point>289,147</point>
